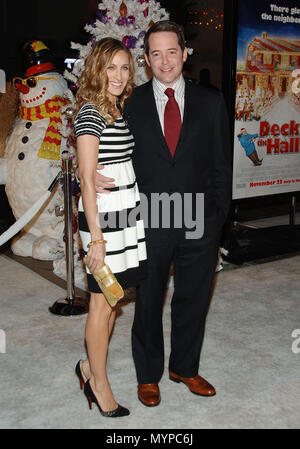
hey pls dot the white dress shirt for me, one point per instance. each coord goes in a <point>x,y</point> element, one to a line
<point>161,98</point>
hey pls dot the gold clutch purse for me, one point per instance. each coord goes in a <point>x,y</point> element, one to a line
<point>109,285</point>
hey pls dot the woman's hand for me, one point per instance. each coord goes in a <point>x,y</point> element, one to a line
<point>95,257</point>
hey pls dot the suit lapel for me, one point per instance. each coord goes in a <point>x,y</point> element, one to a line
<point>186,121</point>
<point>154,116</point>
<point>162,146</point>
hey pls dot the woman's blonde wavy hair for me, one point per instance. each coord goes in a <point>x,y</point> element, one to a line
<point>93,82</point>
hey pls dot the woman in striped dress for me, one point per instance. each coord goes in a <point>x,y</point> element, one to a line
<point>107,229</point>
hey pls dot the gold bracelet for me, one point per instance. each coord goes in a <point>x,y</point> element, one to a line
<point>95,242</point>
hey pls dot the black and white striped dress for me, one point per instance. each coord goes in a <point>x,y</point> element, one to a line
<point>119,216</point>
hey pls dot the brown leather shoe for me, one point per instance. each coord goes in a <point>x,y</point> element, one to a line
<point>149,394</point>
<point>197,385</point>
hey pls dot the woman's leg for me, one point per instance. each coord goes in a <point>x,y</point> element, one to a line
<point>85,365</point>
<point>99,324</point>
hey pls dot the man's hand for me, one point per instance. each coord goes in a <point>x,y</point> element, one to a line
<point>103,182</point>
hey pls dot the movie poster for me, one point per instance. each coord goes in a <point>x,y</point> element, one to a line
<point>267,99</point>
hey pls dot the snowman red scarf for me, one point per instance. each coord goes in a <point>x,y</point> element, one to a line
<point>50,148</point>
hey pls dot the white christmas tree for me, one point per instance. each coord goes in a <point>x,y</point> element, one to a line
<point>126,20</point>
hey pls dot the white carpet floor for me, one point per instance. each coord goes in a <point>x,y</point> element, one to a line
<point>248,354</point>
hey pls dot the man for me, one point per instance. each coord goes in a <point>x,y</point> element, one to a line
<point>200,164</point>
<point>247,142</point>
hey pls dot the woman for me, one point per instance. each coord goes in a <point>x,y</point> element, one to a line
<point>103,137</point>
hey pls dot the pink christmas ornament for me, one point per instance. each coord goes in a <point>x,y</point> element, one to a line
<point>125,41</point>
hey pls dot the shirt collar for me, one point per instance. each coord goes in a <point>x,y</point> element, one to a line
<point>159,88</point>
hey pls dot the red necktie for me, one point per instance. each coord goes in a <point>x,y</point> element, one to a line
<point>172,121</point>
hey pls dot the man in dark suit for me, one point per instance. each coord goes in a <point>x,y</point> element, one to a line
<point>200,164</point>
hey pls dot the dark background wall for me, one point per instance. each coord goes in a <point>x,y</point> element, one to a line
<point>58,22</point>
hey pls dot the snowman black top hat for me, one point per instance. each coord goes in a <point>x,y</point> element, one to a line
<point>38,58</point>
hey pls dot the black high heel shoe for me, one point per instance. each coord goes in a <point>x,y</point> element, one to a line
<point>79,374</point>
<point>117,413</point>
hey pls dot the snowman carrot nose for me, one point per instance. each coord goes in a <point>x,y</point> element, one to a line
<point>22,88</point>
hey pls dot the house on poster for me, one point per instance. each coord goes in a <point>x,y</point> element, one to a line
<point>267,107</point>
<point>268,73</point>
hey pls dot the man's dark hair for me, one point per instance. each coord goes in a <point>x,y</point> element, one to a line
<point>165,25</point>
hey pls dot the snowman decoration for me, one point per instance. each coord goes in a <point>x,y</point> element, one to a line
<point>33,152</point>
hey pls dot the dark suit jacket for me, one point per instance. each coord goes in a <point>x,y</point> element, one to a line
<point>202,159</point>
